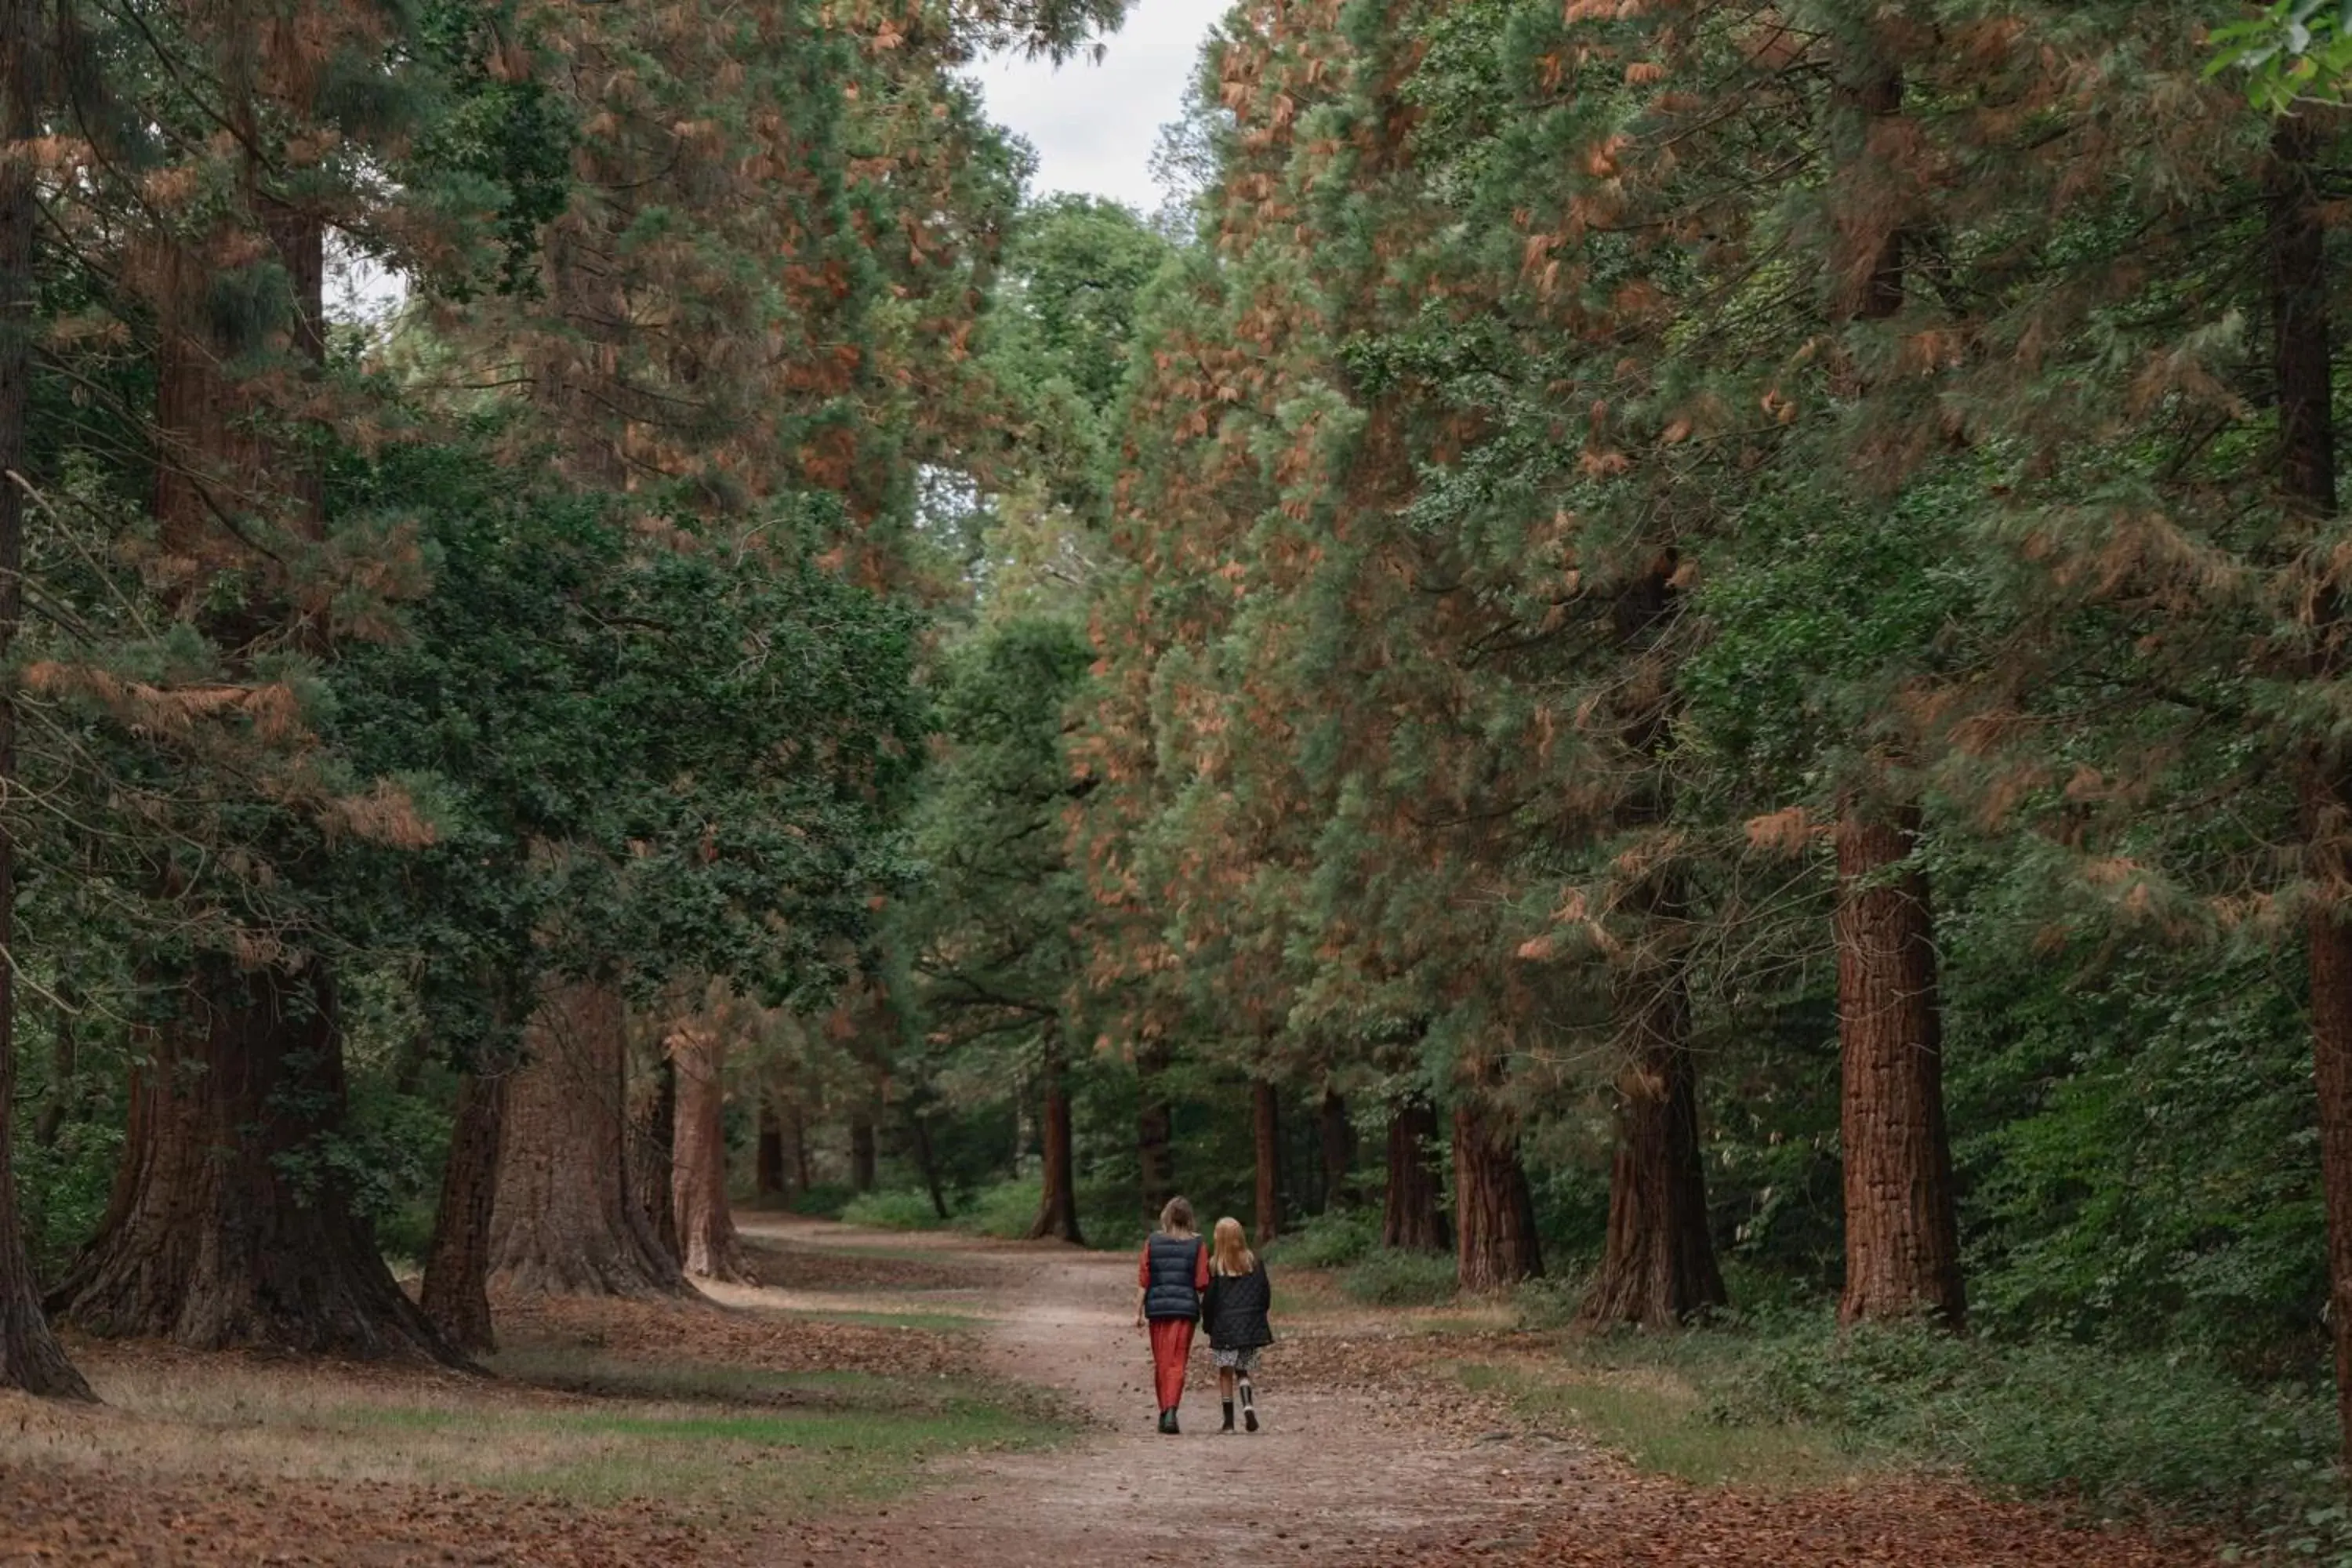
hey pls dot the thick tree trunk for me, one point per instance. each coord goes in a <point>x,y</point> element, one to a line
<point>1657,1266</point>
<point>457,1294</point>
<point>566,1221</point>
<point>229,1226</point>
<point>861,1152</point>
<point>1155,1132</point>
<point>30,1358</point>
<point>1411,1217</point>
<point>1337,1135</point>
<point>2302,359</point>
<point>1494,1214</point>
<point>651,1133</point>
<point>768,1160</point>
<point>1902,1230</point>
<point>706,1225</point>
<point>1058,1205</point>
<point>1266,1135</point>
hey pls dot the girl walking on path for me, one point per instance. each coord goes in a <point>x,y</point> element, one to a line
<point>1168,1285</point>
<point>1234,1307</point>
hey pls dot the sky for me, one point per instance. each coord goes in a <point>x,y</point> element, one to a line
<point>1093,125</point>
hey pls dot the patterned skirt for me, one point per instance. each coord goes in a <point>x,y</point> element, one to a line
<point>1244,1361</point>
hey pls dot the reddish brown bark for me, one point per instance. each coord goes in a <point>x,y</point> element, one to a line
<point>1493,1212</point>
<point>650,1131</point>
<point>1265,1137</point>
<point>1657,1265</point>
<point>229,1226</point>
<point>2302,328</point>
<point>565,1222</point>
<point>1057,1203</point>
<point>1902,1230</point>
<point>30,1357</point>
<point>1411,1217</point>
<point>457,1294</point>
<point>706,1225</point>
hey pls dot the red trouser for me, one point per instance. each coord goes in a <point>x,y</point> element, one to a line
<point>1171,1347</point>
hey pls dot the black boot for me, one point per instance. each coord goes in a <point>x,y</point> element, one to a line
<point>1168,1422</point>
<point>1229,1417</point>
<point>1249,1406</point>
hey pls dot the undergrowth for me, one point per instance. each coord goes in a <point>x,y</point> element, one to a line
<point>2113,1435</point>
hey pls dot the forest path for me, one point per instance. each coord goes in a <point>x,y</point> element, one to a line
<point>1339,1473</point>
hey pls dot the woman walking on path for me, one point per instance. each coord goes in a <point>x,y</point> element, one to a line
<point>1168,1285</point>
<point>1234,1307</point>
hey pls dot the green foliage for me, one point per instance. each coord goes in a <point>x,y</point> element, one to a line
<point>2290,52</point>
<point>892,1210</point>
<point>2120,1434</point>
<point>1389,1276</point>
<point>1335,1238</point>
<point>1003,1209</point>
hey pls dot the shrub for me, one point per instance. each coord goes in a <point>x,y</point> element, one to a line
<point>2119,1433</point>
<point>824,1200</point>
<point>1332,1239</point>
<point>898,1210</point>
<point>1006,1210</point>
<point>1391,1278</point>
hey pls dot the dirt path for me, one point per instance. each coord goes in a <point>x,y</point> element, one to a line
<point>1335,1477</point>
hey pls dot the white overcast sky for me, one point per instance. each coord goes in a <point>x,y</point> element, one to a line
<point>1093,125</point>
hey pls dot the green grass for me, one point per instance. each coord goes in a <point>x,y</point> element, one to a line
<point>1387,1278</point>
<point>1662,1425</point>
<point>817,1440</point>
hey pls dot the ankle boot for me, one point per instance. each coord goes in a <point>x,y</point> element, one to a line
<point>1229,1417</point>
<point>1249,1407</point>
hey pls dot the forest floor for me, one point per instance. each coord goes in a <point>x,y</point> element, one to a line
<point>933,1399</point>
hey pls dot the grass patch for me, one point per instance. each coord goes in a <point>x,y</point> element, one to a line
<point>723,1443</point>
<point>1661,1424</point>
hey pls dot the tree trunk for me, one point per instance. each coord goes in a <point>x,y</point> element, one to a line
<point>2302,359</point>
<point>1411,1217</point>
<point>1657,1266</point>
<point>767,1162</point>
<point>706,1225</point>
<point>650,1134</point>
<point>803,1177</point>
<point>861,1152</point>
<point>566,1221</point>
<point>1338,1138</point>
<point>1494,1214</point>
<point>457,1294</point>
<point>1265,1130</point>
<point>919,1129</point>
<point>1155,1133</point>
<point>30,1358</point>
<point>1058,1205</point>
<point>229,1224</point>
<point>1902,1230</point>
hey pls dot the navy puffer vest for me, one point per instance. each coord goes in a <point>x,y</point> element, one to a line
<point>1175,1264</point>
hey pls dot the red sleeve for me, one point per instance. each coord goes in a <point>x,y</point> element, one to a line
<point>1201,1267</point>
<point>1143,1268</point>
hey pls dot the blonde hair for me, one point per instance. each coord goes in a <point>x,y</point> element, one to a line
<point>1230,1254</point>
<point>1176,1219</point>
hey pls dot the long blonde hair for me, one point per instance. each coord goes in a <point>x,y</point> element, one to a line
<point>1229,1253</point>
